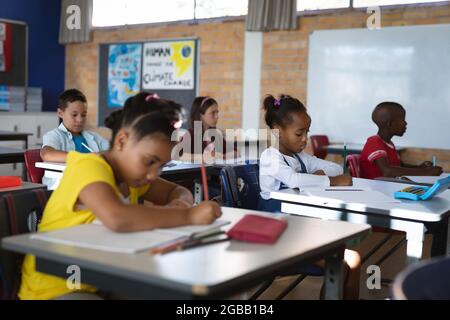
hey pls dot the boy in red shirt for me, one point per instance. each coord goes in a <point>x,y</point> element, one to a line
<point>379,156</point>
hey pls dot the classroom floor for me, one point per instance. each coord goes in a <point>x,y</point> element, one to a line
<point>309,289</point>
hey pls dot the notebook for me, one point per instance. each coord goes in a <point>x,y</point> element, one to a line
<point>423,193</point>
<point>10,181</point>
<point>97,236</point>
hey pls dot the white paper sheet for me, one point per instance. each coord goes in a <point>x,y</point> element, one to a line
<point>97,236</point>
<point>350,195</point>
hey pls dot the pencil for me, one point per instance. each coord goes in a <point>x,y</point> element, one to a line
<point>168,247</point>
<point>194,244</point>
<point>84,145</point>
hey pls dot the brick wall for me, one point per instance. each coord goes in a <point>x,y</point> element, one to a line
<point>285,60</point>
<point>221,60</point>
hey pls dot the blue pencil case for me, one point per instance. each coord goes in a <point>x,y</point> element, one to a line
<point>417,193</point>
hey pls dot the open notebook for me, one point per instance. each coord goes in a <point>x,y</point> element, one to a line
<point>97,236</point>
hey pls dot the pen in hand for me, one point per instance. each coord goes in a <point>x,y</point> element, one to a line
<point>84,145</point>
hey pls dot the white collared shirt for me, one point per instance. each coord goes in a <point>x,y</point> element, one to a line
<point>61,139</point>
<point>273,171</point>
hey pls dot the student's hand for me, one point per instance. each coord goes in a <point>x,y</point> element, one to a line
<point>343,180</point>
<point>179,203</point>
<point>434,171</point>
<point>320,173</point>
<point>205,213</point>
<point>426,164</point>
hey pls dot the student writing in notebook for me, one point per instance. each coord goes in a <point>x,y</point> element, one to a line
<point>289,166</point>
<point>71,134</point>
<point>90,189</point>
<point>379,158</point>
<point>137,106</point>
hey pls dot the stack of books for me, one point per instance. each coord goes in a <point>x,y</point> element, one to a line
<point>12,98</point>
<point>34,99</point>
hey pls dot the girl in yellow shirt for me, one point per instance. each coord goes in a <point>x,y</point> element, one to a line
<point>93,186</point>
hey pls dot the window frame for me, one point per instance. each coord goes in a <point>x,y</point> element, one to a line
<point>194,21</point>
<point>225,19</point>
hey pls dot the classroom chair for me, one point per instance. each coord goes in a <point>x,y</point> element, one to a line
<point>352,163</point>
<point>240,188</point>
<point>318,143</point>
<point>31,157</point>
<point>429,280</point>
<point>19,213</point>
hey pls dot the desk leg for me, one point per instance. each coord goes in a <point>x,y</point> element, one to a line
<point>334,276</point>
<point>415,234</point>
<point>439,231</point>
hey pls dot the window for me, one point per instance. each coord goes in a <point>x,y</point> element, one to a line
<point>148,11</point>
<point>369,3</point>
<point>305,5</point>
<point>220,8</point>
<point>123,12</point>
<point>108,13</point>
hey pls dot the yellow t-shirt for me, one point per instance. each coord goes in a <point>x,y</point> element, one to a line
<point>81,170</point>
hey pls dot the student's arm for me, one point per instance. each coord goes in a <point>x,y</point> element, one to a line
<point>49,154</point>
<point>163,192</point>
<point>393,171</point>
<point>101,199</point>
<point>425,164</point>
<point>52,147</point>
<point>327,168</point>
<point>322,167</point>
<point>273,165</point>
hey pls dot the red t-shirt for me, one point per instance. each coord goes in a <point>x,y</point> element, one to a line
<point>376,148</point>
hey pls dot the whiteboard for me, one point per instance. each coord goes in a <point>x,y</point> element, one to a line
<point>351,71</point>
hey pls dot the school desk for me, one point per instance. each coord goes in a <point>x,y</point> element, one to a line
<point>178,172</point>
<point>214,271</point>
<point>11,155</point>
<point>413,217</point>
<point>15,136</point>
<point>24,187</point>
<point>417,180</point>
<point>352,148</point>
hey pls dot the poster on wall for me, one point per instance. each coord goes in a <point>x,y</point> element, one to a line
<point>5,47</point>
<point>168,65</point>
<point>124,72</point>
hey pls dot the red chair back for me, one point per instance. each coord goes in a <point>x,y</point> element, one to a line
<point>352,163</point>
<point>31,157</point>
<point>318,145</point>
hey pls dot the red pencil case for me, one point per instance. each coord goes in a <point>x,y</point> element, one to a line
<point>10,181</point>
<point>260,229</point>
